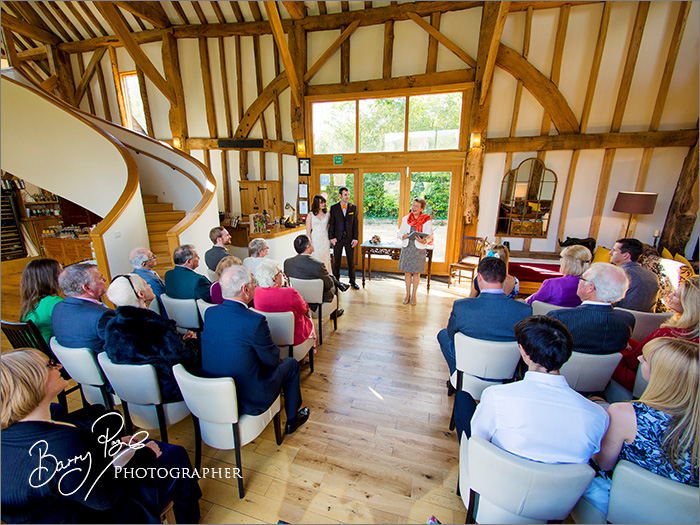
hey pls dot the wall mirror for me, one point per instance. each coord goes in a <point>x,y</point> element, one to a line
<point>527,194</point>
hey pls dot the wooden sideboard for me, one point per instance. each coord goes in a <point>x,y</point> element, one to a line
<point>67,251</point>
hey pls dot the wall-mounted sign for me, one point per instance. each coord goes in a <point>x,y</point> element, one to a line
<point>337,160</point>
<point>304,166</point>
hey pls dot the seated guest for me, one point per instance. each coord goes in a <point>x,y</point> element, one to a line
<point>257,249</point>
<point>236,343</point>
<point>304,266</point>
<point>220,237</point>
<point>80,320</point>
<point>271,297</point>
<point>35,491</point>
<point>215,289</point>
<point>490,317</point>
<point>143,262</point>
<point>511,285</point>
<point>597,327</point>
<point>183,282</point>
<point>659,432</point>
<point>138,336</point>
<point>683,325</point>
<point>561,291</point>
<point>39,293</point>
<point>643,284</point>
<point>539,418</point>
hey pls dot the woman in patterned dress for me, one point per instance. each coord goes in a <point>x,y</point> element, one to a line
<point>317,231</point>
<point>659,432</point>
<point>412,259</point>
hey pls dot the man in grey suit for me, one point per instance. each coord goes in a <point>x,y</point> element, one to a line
<point>597,327</point>
<point>491,316</point>
<point>303,266</point>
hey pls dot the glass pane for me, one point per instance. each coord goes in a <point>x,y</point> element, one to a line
<point>133,102</point>
<point>334,127</point>
<point>380,205</point>
<point>433,121</point>
<point>382,124</point>
<point>332,182</point>
<point>434,187</point>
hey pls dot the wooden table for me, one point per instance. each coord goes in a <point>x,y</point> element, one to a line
<point>393,251</point>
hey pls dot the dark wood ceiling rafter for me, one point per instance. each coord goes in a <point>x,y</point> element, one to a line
<point>218,12</point>
<point>294,82</point>
<point>85,7</point>
<point>255,11</point>
<point>151,12</point>
<point>28,30</point>
<point>180,12</point>
<point>237,11</point>
<point>449,44</point>
<point>88,73</point>
<point>322,9</point>
<point>297,10</point>
<point>81,72</point>
<point>199,12</point>
<point>74,10</point>
<point>8,43</point>
<point>26,11</point>
<point>54,21</point>
<point>63,17</point>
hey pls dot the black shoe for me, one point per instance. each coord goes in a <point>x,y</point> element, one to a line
<point>354,285</point>
<point>343,287</point>
<point>337,313</point>
<point>450,389</point>
<point>302,417</point>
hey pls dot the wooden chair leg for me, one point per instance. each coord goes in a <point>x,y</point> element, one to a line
<point>320,330</point>
<point>470,511</point>
<point>197,443</point>
<point>452,418</point>
<point>127,419</point>
<point>161,423</point>
<point>237,444</point>
<point>311,359</point>
<point>279,436</point>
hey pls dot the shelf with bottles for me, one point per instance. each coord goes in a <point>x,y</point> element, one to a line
<point>66,232</point>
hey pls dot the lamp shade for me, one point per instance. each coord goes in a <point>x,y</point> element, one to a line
<point>637,202</point>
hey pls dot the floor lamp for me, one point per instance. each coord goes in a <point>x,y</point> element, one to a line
<point>635,203</point>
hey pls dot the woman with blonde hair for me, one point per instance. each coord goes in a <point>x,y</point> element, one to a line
<point>36,489</point>
<point>413,254</point>
<point>215,288</point>
<point>561,291</point>
<point>661,431</point>
<point>511,286</point>
<point>39,293</point>
<point>683,325</point>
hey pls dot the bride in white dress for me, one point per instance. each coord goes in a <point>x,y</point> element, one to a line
<point>317,231</point>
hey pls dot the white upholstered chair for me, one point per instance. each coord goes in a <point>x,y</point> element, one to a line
<point>214,406</point>
<point>282,329</point>
<point>646,322</point>
<point>203,306</point>
<point>590,372</point>
<point>139,390</point>
<point>499,487</point>
<point>312,292</point>
<point>82,366</point>
<point>481,364</point>
<point>542,308</point>
<point>184,312</point>
<point>212,276</point>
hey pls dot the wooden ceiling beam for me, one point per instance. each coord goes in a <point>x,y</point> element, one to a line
<point>218,12</point>
<point>493,18</point>
<point>255,10</point>
<point>331,49</point>
<point>297,10</point>
<point>109,12</point>
<point>449,44</point>
<point>237,12</point>
<point>81,20</point>
<point>274,19</point>
<point>48,14</point>
<point>180,12</point>
<point>86,9</point>
<point>63,17</point>
<point>151,12</point>
<point>10,49</point>
<point>199,12</point>
<point>23,28</point>
<point>26,11</point>
<point>87,75</point>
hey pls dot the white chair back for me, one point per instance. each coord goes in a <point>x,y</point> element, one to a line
<point>640,496</point>
<point>183,311</point>
<point>590,372</point>
<point>155,306</point>
<point>212,276</point>
<point>542,308</point>
<point>483,363</point>
<point>310,289</point>
<point>646,322</point>
<point>640,384</point>
<point>512,489</point>
<point>281,326</point>
<point>202,305</point>
<point>82,366</point>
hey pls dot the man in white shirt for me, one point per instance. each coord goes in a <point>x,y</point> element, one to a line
<point>539,418</point>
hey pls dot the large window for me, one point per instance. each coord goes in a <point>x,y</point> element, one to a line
<point>135,114</point>
<point>380,124</point>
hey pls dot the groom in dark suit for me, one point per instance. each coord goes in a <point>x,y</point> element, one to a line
<point>343,233</point>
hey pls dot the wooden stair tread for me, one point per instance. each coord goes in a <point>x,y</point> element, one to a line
<point>150,207</point>
<point>159,216</point>
<point>151,199</point>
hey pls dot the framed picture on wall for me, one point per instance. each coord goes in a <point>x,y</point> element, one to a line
<point>304,166</point>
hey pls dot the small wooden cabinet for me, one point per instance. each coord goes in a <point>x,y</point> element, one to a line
<point>68,251</point>
<point>261,195</point>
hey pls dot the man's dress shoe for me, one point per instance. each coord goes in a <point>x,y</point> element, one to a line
<point>354,285</point>
<point>302,417</point>
<point>337,313</point>
<point>343,287</point>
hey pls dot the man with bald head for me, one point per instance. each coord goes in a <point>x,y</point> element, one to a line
<point>598,328</point>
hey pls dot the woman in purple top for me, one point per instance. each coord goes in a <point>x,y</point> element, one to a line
<point>561,291</point>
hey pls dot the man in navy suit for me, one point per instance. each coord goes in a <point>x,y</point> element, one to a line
<point>597,327</point>
<point>80,320</point>
<point>491,316</point>
<point>236,343</point>
<point>343,233</point>
<point>183,282</point>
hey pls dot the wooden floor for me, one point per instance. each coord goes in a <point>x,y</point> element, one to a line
<point>376,448</point>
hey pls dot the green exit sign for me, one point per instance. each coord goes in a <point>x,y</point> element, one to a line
<point>337,160</point>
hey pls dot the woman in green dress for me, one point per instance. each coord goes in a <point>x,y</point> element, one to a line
<point>39,293</point>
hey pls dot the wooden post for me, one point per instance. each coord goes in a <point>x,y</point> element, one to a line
<point>683,211</point>
<point>177,114</point>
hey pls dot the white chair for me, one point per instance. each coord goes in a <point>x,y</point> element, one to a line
<point>212,276</point>
<point>184,312</point>
<point>590,372</point>
<point>640,384</point>
<point>155,306</point>
<point>202,306</point>
<point>138,388</point>
<point>542,308</point>
<point>312,292</point>
<point>499,487</point>
<point>640,496</point>
<point>214,406</point>
<point>282,329</point>
<point>481,364</point>
<point>646,322</point>
<point>82,366</point>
